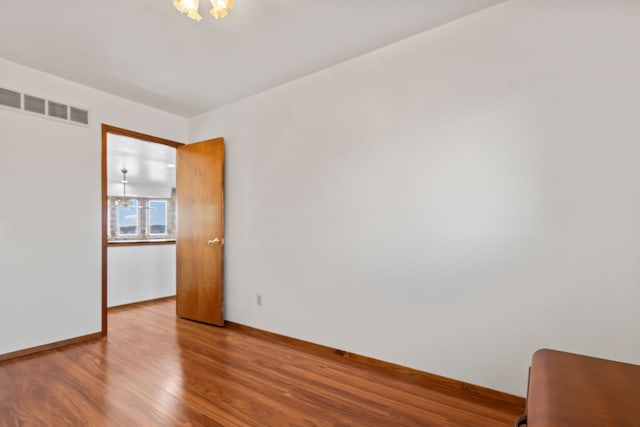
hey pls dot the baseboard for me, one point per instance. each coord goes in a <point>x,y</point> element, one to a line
<point>50,346</point>
<point>137,303</point>
<point>414,376</point>
<point>432,381</point>
<point>57,344</point>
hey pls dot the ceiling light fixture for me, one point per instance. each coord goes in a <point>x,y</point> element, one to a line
<point>219,8</point>
<point>124,202</point>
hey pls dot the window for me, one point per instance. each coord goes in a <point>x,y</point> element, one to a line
<point>128,219</point>
<point>157,217</point>
<point>141,219</point>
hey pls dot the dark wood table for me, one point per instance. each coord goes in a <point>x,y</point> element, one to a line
<point>568,389</point>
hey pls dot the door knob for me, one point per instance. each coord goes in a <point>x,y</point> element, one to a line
<point>216,241</point>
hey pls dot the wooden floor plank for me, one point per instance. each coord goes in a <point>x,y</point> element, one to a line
<point>154,369</point>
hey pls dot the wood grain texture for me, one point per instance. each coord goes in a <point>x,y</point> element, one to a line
<point>50,346</point>
<point>413,376</point>
<point>200,203</point>
<point>154,369</point>
<point>139,135</point>
<point>105,228</point>
<point>568,389</point>
<point>141,303</point>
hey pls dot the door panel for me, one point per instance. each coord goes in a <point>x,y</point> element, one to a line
<point>200,237</point>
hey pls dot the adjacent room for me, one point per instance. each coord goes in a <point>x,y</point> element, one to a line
<point>141,220</point>
<point>414,198</point>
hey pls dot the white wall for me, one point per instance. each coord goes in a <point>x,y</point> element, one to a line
<point>140,273</point>
<point>50,201</point>
<point>452,202</point>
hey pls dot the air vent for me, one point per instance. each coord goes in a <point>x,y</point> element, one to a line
<point>10,98</point>
<point>79,116</point>
<point>34,104</point>
<point>43,107</point>
<point>60,111</point>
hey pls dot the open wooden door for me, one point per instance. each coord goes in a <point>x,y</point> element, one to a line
<point>200,237</point>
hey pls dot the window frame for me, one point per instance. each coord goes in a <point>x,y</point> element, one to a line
<point>166,218</point>
<point>137,211</point>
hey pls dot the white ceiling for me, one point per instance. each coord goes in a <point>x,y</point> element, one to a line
<point>148,173</point>
<point>146,51</point>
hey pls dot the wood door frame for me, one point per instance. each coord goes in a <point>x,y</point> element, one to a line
<point>108,129</point>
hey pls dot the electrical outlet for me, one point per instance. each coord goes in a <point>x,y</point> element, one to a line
<point>259,299</point>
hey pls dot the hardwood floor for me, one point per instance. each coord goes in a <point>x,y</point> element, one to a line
<point>156,370</point>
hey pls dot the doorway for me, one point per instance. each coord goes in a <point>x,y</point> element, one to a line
<point>141,217</point>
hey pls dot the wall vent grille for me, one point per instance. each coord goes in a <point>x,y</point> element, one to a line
<point>41,106</point>
<point>60,111</point>
<point>79,116</point>
<point>10,98</point>
<point>34,104</point>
